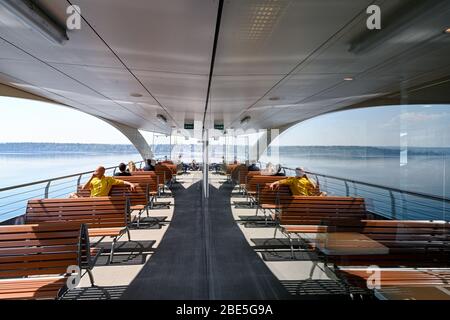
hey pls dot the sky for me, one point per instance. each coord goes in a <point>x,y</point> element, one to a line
<point>424,126</point>
<point>30,121</point>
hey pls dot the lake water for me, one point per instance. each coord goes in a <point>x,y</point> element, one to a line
<point>24,168</point>
<point>429,174</point>
<point>423,173</point>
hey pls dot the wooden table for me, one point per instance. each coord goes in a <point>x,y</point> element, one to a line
<point>348,243</point>
<point>413,293</point>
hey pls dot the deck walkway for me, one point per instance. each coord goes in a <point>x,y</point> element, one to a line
<point>193,264</point>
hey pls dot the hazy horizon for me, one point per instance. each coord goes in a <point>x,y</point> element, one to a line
<point>166,144</point>
<point>389,126</point>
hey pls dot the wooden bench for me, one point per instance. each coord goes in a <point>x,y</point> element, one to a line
<point>256,183</point>
<point>259,193</point>
<point>141,173</point>
<point>243,178</point>
<point>237,171</point>
<point>411,243</point>
<point>172,167</point>
<point>419,254</point>
<point>150,180</point>
<point>165,176</point>
<point>153,184</point>
<point>104,216</point>
<point>141,199</point>
<point>316,214</point>
<point>229,170</point>
<point>399,277</point>
<point>35,259</point>
<point>269,200</point>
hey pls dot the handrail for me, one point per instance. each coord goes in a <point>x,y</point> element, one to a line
<point>53,179</point>
<point>46,188</point>
<point>412,193</point>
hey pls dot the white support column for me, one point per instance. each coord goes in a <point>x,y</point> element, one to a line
<point>135,138</point>
<point>266,139</point>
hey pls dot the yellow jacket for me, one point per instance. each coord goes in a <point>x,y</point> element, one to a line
<point>300,186</point>
<point>102,187</point>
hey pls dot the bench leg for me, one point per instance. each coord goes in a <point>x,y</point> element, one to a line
<point>275,232</point>
<point>61,292</point>
<point>91,277</point>
<point>138,220</point>
<point>111,253</point>
<point>152,201</point>
<point>266,218</point>
<point>292,247</point>
<point>128,234</point>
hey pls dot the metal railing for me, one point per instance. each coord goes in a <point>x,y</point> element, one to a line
<point>391,203</point>
<point>13,199</point>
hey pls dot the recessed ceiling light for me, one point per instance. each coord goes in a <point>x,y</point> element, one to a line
<point>161,118</point>
<point>136,95</point>
<point>274,98</point>
<point>245,120</point>
<point>348,79</point>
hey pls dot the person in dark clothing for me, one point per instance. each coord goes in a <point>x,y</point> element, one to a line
<point>122,171</point>
<point>253,167</point>
<point>280,172</point>
<point>149,165</point>
<point>194,166</point>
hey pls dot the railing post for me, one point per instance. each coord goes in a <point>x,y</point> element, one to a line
<point>393,210</point>
<point>47,187</point>
<point>347,189</point>
<point>404,206</point>
<point>79,180</point>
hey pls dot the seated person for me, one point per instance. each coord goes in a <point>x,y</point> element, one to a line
<point>185,167</point>
<point>100,185</point>
<point>131,167</point>
<point>149,165</point>
<point>300,185</point>
<point>253,167</point>
<point>269,170</point>
<point>194,166</point>
<point>278,171</point>
<point>122,171</point>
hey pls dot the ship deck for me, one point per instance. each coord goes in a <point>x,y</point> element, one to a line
<point>235,257</point>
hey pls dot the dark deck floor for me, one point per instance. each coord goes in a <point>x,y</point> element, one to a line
<point>197,262</point>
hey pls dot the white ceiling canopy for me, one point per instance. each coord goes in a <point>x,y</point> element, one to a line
<point>276,62</point>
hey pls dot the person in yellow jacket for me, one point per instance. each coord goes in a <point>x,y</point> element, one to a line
<point>300,185</point>
<point>100,185</point>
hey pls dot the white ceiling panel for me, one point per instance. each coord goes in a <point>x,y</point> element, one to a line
<point>285,33</point>
<point>172,36</point>
<point>83,48</point>
<point>279,61</point>
<point>115,83</point>
<point>178,86</point>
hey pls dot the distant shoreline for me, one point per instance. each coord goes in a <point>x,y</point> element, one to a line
<point>66,148</point>
<point>27,148</point>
